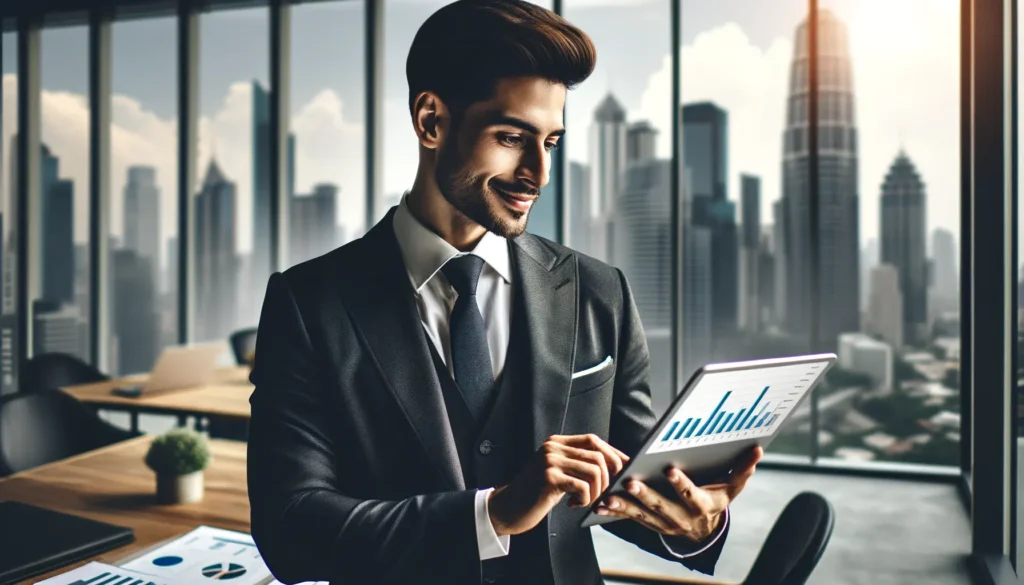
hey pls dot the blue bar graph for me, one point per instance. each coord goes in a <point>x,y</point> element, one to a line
<point>763,419</point>
<point>736,420</point>
<point>725,423</point>
<point>750,413</point>
<point>670,429</point>
<point>711,419</point>
<point>682,429</point>
<point>713,425</point>
<point>693,428</point>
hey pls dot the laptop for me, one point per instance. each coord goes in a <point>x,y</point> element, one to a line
<point>36,540</point>
<point>183,366</point>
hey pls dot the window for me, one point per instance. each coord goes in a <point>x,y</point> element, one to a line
<point>742,148</point>
<point>326,147</point>
<point>60,312</point>
<point>231,223</point>
<point>618,151</point>
<point>8,256</point>
<point>889,226</point>
<point>143,196</point>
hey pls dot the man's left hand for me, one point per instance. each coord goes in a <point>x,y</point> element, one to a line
<point>695,512</point>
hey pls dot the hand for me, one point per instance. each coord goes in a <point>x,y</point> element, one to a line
<point>695,513</point>
<point>579,465</point>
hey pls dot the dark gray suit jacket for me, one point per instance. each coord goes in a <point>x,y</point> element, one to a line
<point>353,472</point>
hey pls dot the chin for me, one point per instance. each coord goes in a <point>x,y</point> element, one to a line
<point>507,223</point>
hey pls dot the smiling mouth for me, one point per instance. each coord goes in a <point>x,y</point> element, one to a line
<point>519,202</point>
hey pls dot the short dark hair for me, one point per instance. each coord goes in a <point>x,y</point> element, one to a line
<point>464,48</point>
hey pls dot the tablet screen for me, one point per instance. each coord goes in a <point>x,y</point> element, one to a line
<point>739,404</point>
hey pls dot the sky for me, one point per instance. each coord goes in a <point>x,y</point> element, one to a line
<point>735,52</point>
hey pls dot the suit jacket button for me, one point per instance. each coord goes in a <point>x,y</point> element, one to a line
<point>485,447</point>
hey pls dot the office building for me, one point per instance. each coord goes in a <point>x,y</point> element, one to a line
<point>750,257</point>
<point>216,259</point>
<point>860,353</point>
<point>885,306</point>
<point>142,215</point>
<point>607,145</point>
<point>903,242</point>
<point>313,227</point>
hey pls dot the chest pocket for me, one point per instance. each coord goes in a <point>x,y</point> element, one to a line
<point>593,377</point>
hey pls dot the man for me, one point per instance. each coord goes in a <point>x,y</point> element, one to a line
<point>427,395</point>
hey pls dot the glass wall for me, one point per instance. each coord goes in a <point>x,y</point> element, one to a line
<point>618,151</point>
<point>8,256</point>
<point>326,147</point>
<point>60,312</point>
<point>231,223</point>
<point>143,202</point>
<point>743,81</point>
<point>889,192</point>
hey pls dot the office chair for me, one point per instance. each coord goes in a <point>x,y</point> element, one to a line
<point>789,553</point>
<point>243,344</point>
<point>49,425</point>
<point>55,370</point>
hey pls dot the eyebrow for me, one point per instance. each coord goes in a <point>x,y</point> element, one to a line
<point>499,119</point>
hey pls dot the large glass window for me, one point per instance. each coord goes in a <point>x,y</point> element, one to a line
<point>60,312</point>
<point>618,149</point>
<point>8,247</point>
<point>744,92</point>
<point>143,196</point>
<point>889,216</point>
<point>326,147</point>
<point>231,223</point>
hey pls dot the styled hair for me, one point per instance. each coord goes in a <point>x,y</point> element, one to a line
<point>464,49</point>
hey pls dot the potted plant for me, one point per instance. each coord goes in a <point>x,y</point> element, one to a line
<point>178,457</point>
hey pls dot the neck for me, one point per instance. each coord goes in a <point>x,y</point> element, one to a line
<point>432,209</point>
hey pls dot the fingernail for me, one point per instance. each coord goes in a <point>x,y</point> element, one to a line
<point>602,512</point>
<point>614,504</point>
<point>675,475</point>
<point>634,488</point>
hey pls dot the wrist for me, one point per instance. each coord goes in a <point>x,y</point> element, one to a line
<point>494,512</point>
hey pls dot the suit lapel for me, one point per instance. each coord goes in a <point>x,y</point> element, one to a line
<point>383,308</point>
<point>545,290</point>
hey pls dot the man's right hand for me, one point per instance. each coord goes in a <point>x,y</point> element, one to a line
<point>578,465</point>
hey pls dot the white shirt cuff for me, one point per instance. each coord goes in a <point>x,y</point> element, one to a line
<point>713,540</point>
<point>490,544</point>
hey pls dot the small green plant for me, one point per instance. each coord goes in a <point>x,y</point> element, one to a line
<point>178,452</point>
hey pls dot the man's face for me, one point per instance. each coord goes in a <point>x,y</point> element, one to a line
<point>497,158</point>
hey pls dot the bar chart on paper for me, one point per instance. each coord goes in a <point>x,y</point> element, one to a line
<point>733,405</point>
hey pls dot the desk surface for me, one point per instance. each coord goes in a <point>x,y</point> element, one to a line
<point>227,395</point>
<point>114,485</point>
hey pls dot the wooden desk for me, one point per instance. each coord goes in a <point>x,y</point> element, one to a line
<point>226,397</point>
<point>114,485</point>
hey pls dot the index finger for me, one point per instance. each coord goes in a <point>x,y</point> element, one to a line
<point>616,459</point>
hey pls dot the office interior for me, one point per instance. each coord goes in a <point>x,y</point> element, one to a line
<point>773,178</point>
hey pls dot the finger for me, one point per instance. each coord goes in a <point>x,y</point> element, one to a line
<point>568,484</point>
<point>591,457</point>
<point>695,498</point>
<point>626,508</point>
<point>592,441</point>
<point>674,513</point>
<point>585,471</point>
<point>738,480</point>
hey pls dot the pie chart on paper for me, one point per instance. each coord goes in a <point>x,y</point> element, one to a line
<point>223,571</point>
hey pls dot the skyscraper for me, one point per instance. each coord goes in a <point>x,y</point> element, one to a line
<point>903,242</point>
<point>312,224</point>
<point>837,191</point>
<point>58,246</point>
<point>607,167</point>
<point>750,255</point>
<point>142,215</point>
<point>578,210</point>
<point>135,320</point>
<point>705,160</point>
<point>216,259</point>
<point>946,275</point>
<point>885,307</point>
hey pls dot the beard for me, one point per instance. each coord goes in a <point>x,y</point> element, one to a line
<point>471,195</point>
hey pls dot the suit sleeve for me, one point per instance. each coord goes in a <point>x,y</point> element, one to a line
<point>305,526</point>
<point>632,418</point>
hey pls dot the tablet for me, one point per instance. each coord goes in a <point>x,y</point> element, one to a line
<point>724,410</point>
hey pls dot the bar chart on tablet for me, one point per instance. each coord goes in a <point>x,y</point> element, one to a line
<point>734,405</point>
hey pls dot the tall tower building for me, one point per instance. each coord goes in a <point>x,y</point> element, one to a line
<point>142,215</point>
<point>216,261</point>
<point>705,160</point>
<point>885,307</point>
<point>578,210</point>
<point>750,255</point>
<point>903,242</point>
<point>313,228</point>
<point>607,167</point>
<point>838,200</point>
<point>946,274</point>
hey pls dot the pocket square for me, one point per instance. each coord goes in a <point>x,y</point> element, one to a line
<point>607,362</point>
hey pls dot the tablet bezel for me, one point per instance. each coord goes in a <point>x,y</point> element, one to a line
<point>639,460</point>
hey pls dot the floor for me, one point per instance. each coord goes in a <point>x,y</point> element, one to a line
<point>887,532</point>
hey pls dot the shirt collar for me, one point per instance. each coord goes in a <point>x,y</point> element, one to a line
<point>425,252</point>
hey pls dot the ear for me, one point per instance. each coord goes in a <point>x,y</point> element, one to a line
<point>430,119</point>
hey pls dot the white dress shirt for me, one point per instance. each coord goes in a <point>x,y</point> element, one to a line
<point>424,254</point>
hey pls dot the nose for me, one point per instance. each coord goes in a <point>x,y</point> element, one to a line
<point>535,167</point>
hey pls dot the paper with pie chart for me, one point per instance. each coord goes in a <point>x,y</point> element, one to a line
<point>206,555</point>
<point>739,404</point>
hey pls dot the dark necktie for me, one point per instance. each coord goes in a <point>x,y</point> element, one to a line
<point>471,358</point>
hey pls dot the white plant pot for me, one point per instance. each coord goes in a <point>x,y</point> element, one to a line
<point>179,489</point>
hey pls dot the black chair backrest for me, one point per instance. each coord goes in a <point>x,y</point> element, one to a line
<point>243,343</point>
<point>795,543</point>
<point>49,425</point>
<point>54,370</point>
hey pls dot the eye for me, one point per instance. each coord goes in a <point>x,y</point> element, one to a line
<point>551,146</point>
<point>510,139</point>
